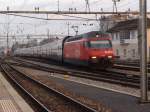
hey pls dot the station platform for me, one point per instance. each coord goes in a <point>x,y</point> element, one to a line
<point>10,100</point>
<point>118,102</point>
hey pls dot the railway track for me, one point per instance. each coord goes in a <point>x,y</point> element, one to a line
<point>10,74</point>
<point>134,66</point>
<point>34,88</point>
<point>129,67</point>
<point>117,65</point>
<point>106,76</point>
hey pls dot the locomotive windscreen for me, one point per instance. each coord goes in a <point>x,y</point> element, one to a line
<point>100,44</point>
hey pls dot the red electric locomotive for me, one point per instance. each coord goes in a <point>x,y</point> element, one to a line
<point>93,48</point>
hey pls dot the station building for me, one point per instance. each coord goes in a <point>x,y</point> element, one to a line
<point>125,39</point>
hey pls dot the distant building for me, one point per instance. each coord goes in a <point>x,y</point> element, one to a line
<point>107,22</point>
<point>125,39</point>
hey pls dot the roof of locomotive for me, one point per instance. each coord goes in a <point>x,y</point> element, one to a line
<point>87,35</point>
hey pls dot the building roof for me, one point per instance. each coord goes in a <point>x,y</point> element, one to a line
<point>127,25</point>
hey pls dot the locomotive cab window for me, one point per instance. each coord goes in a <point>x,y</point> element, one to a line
<point>100,44</point>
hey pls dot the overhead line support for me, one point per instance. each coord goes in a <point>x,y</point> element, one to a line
<point>68,12</point>
<point>143,45</point>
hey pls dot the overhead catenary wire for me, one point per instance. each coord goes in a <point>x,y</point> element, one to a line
<point>79,18</point>
<point>33,17</point>
<point>21,7</point>
<point>73,16</point>
<point>65,15</point>
<point>24,35</point>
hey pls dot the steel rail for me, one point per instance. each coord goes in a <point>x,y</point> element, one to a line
<point>106,76</point>
<point>40,105</point>
<point>129,67</point>
<point>67,98</point>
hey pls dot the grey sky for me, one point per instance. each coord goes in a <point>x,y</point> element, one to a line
<point>65,4</point>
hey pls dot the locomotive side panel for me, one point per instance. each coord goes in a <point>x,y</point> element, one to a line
<point>74,53</point>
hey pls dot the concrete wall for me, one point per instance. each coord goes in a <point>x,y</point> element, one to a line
<point>132,44</point>
<point>130,54</point>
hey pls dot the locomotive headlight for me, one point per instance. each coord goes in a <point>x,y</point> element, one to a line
<point>109,57</point>
<point>93,57</point>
